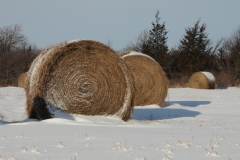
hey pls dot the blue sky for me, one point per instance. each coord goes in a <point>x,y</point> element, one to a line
<point>48,22</point>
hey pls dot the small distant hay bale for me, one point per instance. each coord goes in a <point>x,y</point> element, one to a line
<point>79,77</point>
<point>202,80</point>
<point>22,79</point>
<point>150,81</point>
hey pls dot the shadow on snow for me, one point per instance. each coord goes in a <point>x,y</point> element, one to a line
<point>142,113</point>
<point>187,103</point>
<point>161,113</point>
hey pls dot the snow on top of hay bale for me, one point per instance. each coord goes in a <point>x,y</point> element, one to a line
<point>202,80</point>
<point>72,41</point>
<point>79,77</point>
<point>133,53</point>
<point>209,76</point>
<point>150,81</point>
<point>77,40</point>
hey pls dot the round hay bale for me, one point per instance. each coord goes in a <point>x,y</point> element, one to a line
<point>202,80</point>
<point>150,81</point>
<point>80,77</point>
<point>21,79</point>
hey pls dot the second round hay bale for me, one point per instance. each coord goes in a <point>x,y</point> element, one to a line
<point>202,80</point>
<point>22,79</point>
<point>80,77</point>
<point>150,81</point>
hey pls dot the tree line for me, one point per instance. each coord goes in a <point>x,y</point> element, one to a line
<point>194,53</point>
<point>16,54</point>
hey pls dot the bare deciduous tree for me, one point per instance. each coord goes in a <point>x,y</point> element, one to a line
<point>10,38</point>
<point>16,54</point>
<point>139,42</point>
<point>229,58</point>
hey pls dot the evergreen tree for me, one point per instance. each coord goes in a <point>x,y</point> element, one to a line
<point>156,46</point>
<point>195,49</point>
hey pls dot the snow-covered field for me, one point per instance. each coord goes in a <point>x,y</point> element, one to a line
<point>194,124</point>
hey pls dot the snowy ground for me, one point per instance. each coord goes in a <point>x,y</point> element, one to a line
<point>194,124</point>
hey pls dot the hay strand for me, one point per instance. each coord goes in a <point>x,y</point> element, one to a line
<point>202,80</point>
<point>150,81</point>
<point>22,79</point>
<point>79,77</point>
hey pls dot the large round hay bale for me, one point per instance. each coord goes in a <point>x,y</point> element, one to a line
<point>150,81</point>
<point>80,77</point>
<point>21,79</point>
<point>202,80</point>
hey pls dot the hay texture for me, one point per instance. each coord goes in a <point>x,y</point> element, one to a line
<point>202,80</point>
<point>22,79</point>
<point>150,81</point>
<point>80,77</point>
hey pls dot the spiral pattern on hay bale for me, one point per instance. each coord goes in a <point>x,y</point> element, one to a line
<point>22,79</point>
<point>79,77</point>
<point>150,81</point>
<point>202,80</point>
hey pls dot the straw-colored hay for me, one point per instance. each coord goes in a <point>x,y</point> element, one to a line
<point>80,77</point>
<point>150,81</point>
<point>21,79</point>
<point>202,80</point>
